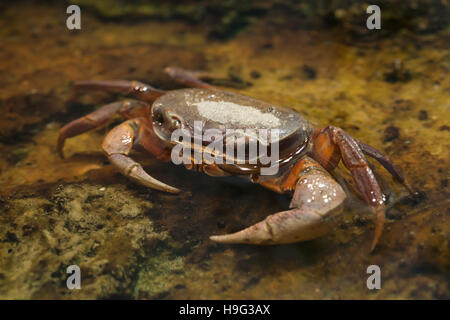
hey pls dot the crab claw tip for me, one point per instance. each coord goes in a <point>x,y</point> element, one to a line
<point>228,239</point>
<point>173,190</point>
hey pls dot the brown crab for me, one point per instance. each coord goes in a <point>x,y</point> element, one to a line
<point>306,153</point>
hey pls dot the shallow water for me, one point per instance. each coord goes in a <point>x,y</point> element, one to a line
<point>392,92</point>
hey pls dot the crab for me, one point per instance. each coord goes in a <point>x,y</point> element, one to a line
<point>307,155</point>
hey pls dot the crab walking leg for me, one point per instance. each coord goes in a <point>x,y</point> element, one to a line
<point>366,183</point>
<point>118,144</point>
<point>190,78</point>
<point>128,108</point>
<point>395,171</point>
<point>138,89</point>
<point>315,209</point>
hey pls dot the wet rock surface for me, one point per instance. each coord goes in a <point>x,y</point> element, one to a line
<point>132,242</point>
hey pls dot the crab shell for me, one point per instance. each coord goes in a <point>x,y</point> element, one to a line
<point>198,110</point>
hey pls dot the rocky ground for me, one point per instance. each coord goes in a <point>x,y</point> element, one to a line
<point>392,92</point>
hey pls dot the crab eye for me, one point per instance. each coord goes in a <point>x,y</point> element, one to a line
<point>158,117</point>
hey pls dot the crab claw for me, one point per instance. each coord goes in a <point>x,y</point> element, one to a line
<point>317,203</point>
<point>283,227</point>
<point>118,144</point>
<point>130,168</point>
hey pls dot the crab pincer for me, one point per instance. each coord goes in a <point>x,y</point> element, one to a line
<point>316,206</point>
